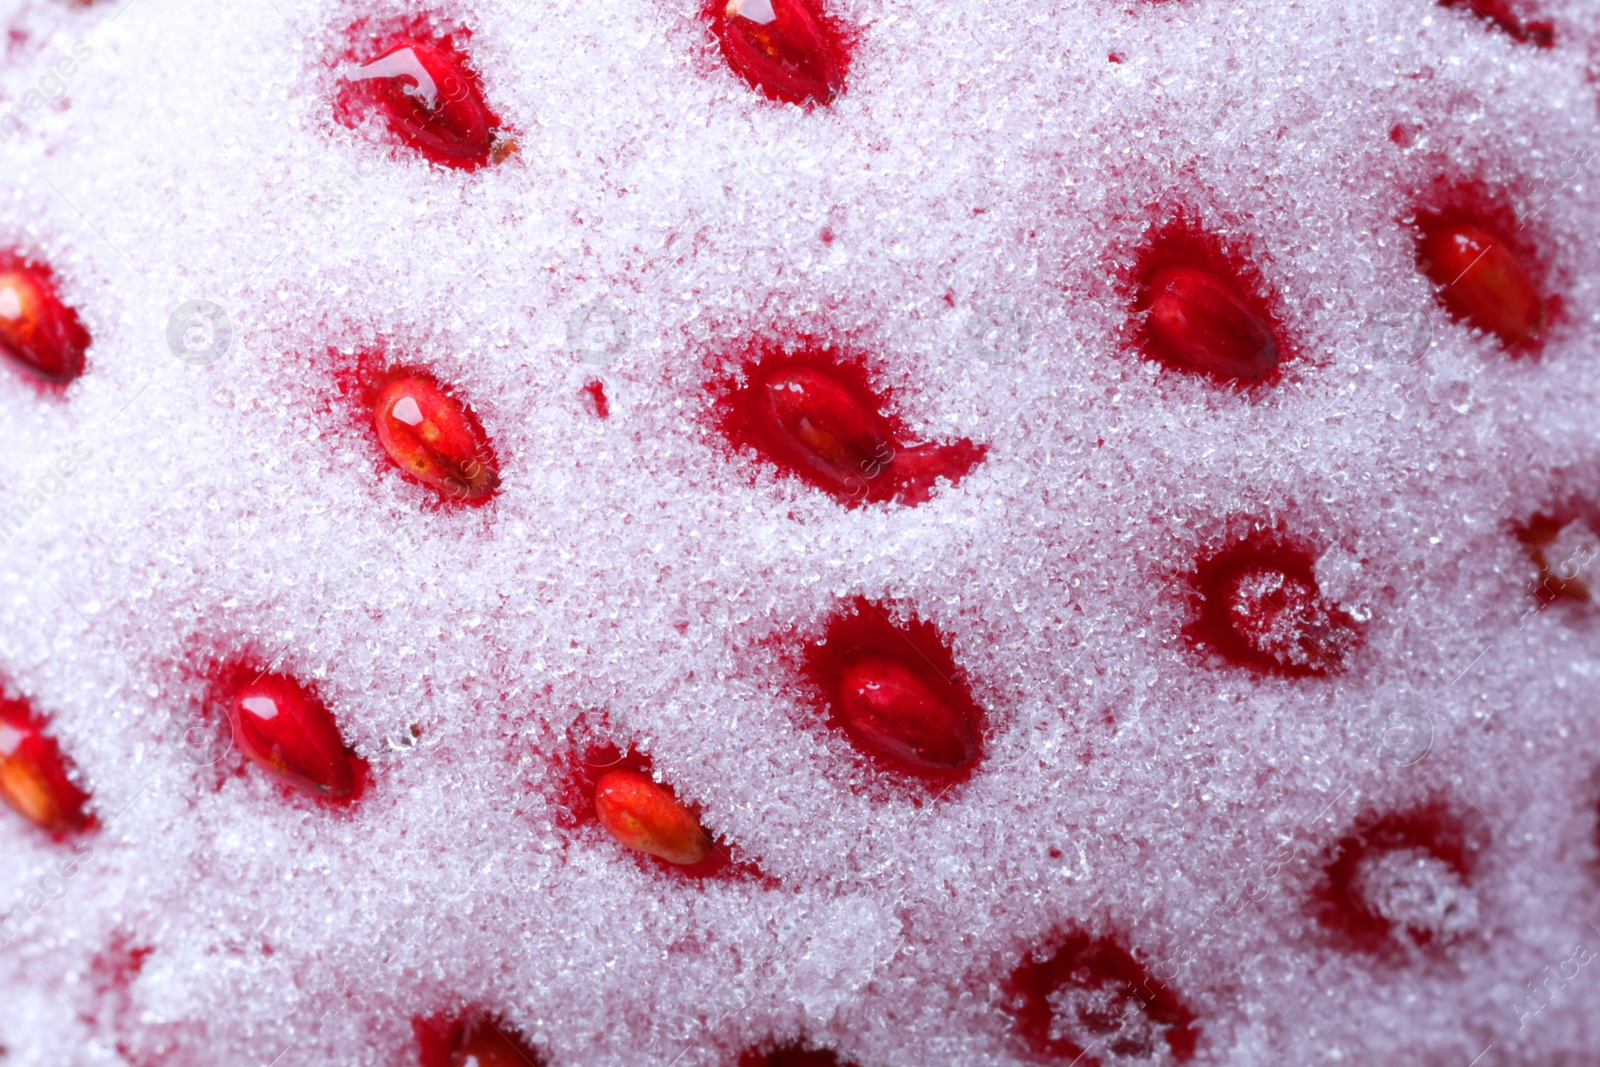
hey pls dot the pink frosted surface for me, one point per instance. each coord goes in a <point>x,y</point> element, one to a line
<point>987,164</point>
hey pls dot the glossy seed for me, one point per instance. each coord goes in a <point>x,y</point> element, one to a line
<point>428,434</point>
<point>430,100</point>
<point>783,48</point>
<point>645,816</point>
<point>818,418</point>
<point>1482,282</point>
<point>38,333</point>
<point>34,776</point>
<point>827,428</point>
<point>890,711</point>
<point>1199,320</point>
<point>288,732</point>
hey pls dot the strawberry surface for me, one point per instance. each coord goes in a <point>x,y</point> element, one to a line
<point>799,532</point>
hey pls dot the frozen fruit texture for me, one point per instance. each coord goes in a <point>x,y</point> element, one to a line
<point>475,1040</point>
<point>1483,281</point>
<point>648,568</point>
<point>1565,553</point>
<point>788,49</point>
<point>432,436</point>
<point>426,92</point>
<point>1086,1000</point>
<point>1401,878</point>
<point>35,778</point>
<point>644,815</point>
<point>1503,14</point>
<point>111,1007</point>
<point>287,731</point>
<point>895,692</point>
<point>1416,893</point>
<point>817,418</point>
<point>38,332</point>
<point>1260,605</point>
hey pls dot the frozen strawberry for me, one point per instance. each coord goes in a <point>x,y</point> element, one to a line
<point>1401,879</point>
<point>644,815</point>
<point>1086,1000</point>
<point>895,692</point>
<point>1260,605</point>
<point>998,171</point>
<point>1202,321</point>
<point>430,98</point>
<point>38,333</point>
<point>816,417</point>
<point>431,435</point>
<point>788,49</point>
<point>1503,14</point>
<point>475,1040</point>
<point>35,778</point>
<point>287,731</point>
<point>1482,281</point>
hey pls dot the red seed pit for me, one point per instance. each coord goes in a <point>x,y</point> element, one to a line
<point>813,414</point>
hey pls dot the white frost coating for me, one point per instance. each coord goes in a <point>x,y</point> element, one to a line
<point>1110,1024</point>
<point>985,160</point>
<point>1573,553</point>
<point>1418,893</point>
<point>845,948</point>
